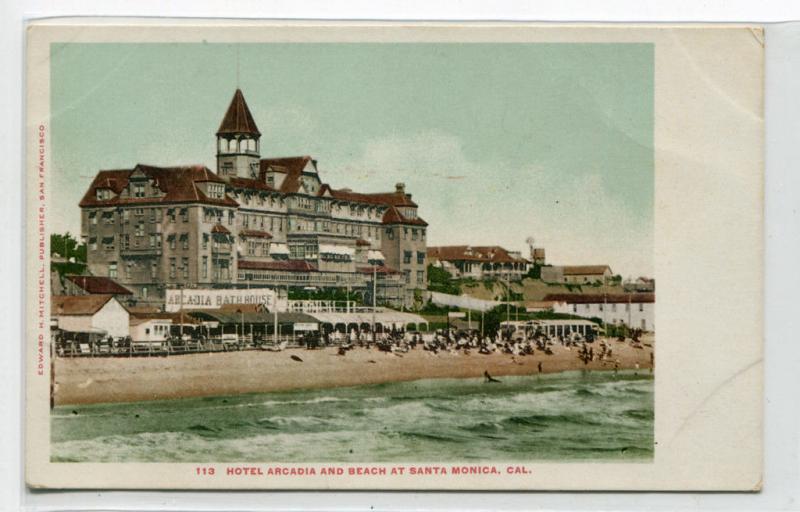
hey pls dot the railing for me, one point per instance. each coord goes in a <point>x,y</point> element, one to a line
<point>140,251</point>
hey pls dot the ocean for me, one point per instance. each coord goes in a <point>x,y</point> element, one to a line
<point>571,416</point>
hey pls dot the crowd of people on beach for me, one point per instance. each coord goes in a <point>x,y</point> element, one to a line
<point>514,342</point>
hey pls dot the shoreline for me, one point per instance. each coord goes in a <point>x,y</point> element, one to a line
<point>81,381</point>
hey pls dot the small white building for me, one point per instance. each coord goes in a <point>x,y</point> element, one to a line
<point>636,310</point>
<point>91,313</point>
<point>150,330</point>
<point>577,274</point>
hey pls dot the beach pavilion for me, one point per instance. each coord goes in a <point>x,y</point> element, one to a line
<point>229,323</point>
<point>385,320</point>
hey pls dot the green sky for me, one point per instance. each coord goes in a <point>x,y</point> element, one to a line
<point>496,142</point>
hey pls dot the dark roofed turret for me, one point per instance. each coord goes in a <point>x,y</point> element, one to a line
<point>238,120</point>
<point>238,141</point>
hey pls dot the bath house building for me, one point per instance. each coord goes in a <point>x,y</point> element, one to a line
<point>254,222</point>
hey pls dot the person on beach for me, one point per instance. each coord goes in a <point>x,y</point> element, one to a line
<point>540,366</point>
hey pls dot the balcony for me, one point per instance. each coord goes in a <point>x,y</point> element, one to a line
<point>142,251</point>
<point>218,248</point>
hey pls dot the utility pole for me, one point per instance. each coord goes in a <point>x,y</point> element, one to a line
<point>374,297</point>
<point>275,318</point>
<point>180,287</point>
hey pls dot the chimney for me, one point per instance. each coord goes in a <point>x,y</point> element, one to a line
<point>400,188</point>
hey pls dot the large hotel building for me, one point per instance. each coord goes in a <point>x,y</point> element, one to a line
<point>261,222</point>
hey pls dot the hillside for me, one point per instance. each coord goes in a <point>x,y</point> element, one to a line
<point>531,289</point>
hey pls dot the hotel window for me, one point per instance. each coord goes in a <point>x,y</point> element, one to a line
<point>251,248</point>
<point>152,240</point>
<point>420,276</point>
<point>171,240</point>
<point>108,243</point>
<point>406,257</point>
<point>407,274</point>
<point>93,243</point>
<point>112,269</point>
<point>152,215</point>
<point>128,268</point>
<point>204,267</point>
<point>125,215</point>
<point>108,217</point>
<point>422,234</point>
<point>172,268</point>
<point>138,190</point>
<point>420,257</point>
<point>205,240</point>
<point>185,214</point>
<point>230,218</point>
<point>153,270</point>
<point>185,267</point>
<point>124,241</point>
<point>389,234</point>
<point>185,241</point>
<point>93,218</point>
<point>413,234</point>
<point>139,229</point>
<point>171,214</point>
<point>405,233</point>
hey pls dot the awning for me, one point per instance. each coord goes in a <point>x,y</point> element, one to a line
<point>228,317</point>
<point>375,255</point>
<point>278,248</point>
<point>341,250</point>
<point>398,319</point>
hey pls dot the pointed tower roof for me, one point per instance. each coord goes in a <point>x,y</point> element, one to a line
<point>238,118</point>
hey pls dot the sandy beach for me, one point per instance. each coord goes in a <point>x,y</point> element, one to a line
<point>120,379</point>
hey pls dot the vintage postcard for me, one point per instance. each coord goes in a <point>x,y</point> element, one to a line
<point>394,256</point>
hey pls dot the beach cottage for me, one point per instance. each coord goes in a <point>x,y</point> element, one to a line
<point>101,314</point>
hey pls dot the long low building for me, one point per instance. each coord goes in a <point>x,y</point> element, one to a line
<point>636,310</point>
<point>479,262</point>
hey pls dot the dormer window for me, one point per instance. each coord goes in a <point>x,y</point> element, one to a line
<point>138,190</point>
<point>216,190</point>
<point>103,194</point>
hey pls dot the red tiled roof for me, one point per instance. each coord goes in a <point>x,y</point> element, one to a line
<point>139,317</point>
<point>487,254</point>
<point>382,198</point>
<point>177,184</point>
<point>599,298</point>
<point>220,229</point>
<point>287,265</point>
<point>394,216</point>
<point>99,285</point>
<point>255,233</point>
<point>238,118</point>
<point>380,269</point>
<point>78,305</point>
<point>579,270</point>
<point>292,166</point>
<point>248,183</point>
